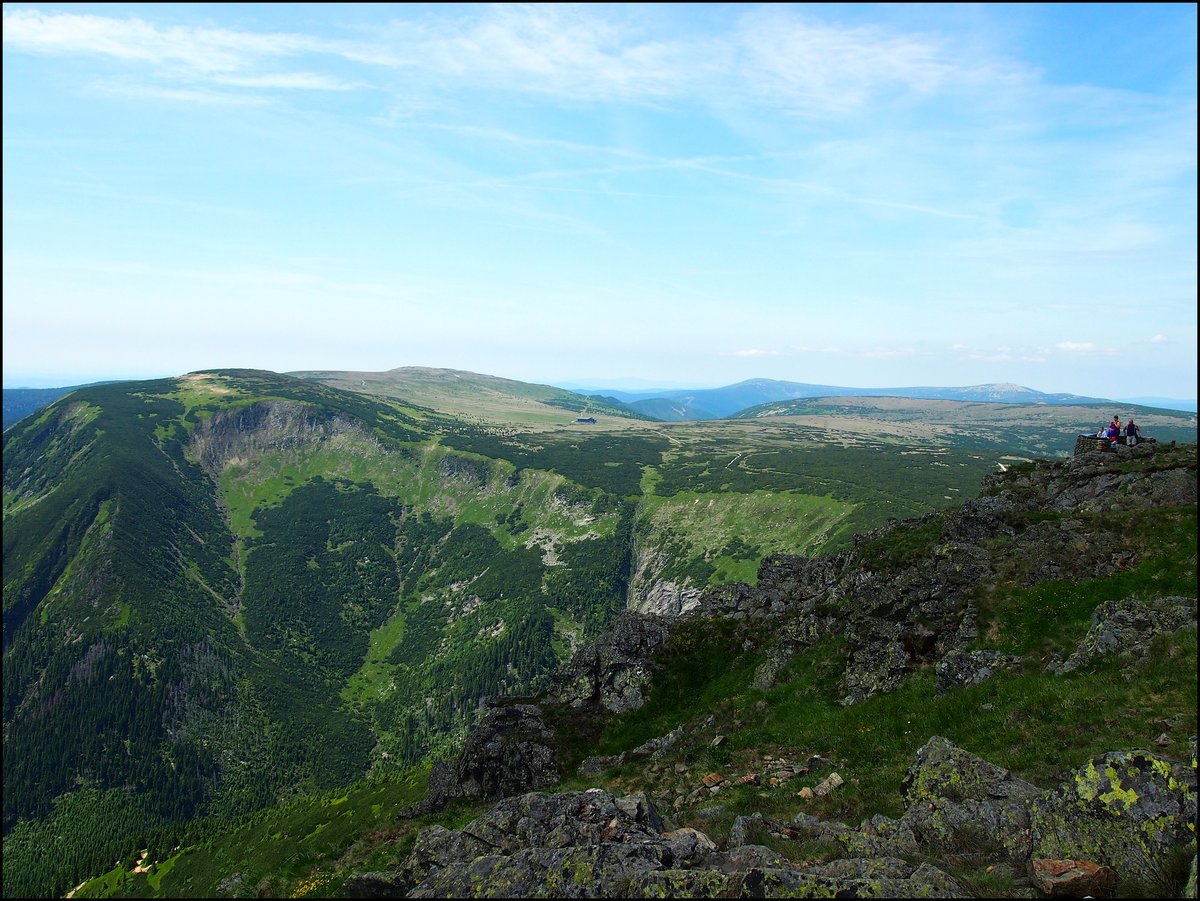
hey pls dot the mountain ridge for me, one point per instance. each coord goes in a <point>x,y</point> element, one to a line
<point>717,403</point>
<point>677,404</point>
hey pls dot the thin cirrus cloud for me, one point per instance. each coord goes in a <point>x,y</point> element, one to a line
<point>1076,346</point>
<point>209,50</point>
<point>753,352</point>
<point>771,56</point>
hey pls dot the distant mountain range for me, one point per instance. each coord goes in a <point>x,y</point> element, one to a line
<point>465,393</point>
<point>719,403</point>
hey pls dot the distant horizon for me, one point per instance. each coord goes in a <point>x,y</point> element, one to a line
<point>630,384</point>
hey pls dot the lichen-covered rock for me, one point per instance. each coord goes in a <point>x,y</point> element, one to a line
<point>511,750</point>
<point>564,820</point>
<point>592,845</point>
<point>1128,626</point>
<point>961,668</point>
<point>954,797</point>
<point>613,671</point>
<point>1124,809</point>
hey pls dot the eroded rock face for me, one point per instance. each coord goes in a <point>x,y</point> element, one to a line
<point>614,670</point>
<point>512,750</point>
<point>1125,809</point>
<point>266,426</point>
<point>668,599</point>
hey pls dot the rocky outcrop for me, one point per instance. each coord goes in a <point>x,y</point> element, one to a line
<point>1128,626</point>
<point>653,748</point>
<point>1118,816</point>
<point>613,671</point>
<point>1147,475</point>
<point>511,750</point>
<point>961,668</point>
<point>594,845</point>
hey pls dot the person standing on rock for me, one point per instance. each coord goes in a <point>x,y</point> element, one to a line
<point>1133,433</point>
<point>1114,432</point>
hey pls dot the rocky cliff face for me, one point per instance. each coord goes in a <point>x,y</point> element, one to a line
<point>905,597</point>
<point>266,426</point>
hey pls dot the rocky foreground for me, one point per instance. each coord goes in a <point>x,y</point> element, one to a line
<point>1127,809</point>
<point>1121,816</point>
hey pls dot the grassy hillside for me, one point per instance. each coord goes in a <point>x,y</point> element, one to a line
<point>473,397</point>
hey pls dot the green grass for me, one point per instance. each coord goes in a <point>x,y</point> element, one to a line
<point>768,522</point>
<point>311,841</point>
<point>902,545</point>
<point>375,676</point>
<point>1050,616</point>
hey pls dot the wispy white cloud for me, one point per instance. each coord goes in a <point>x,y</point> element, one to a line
<point>1076,346</point>
<point>813,67</point>
<point>135,40</point>
<point>575,52</point>
<point>1157,339</point>
<point>998,356</point>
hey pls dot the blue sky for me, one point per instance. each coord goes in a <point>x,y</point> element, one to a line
<point>856,195</point>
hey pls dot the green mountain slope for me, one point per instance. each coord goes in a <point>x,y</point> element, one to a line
<point>742,759</point>
<point>205,578</point>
